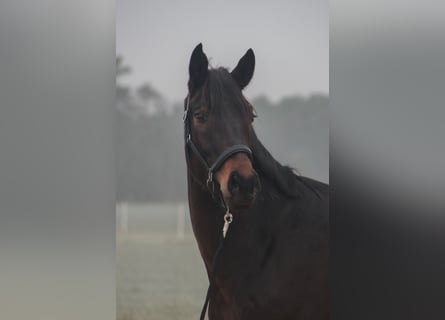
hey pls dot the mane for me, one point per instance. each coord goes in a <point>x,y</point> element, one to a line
<point>282,177</point>
<point>219,85</point>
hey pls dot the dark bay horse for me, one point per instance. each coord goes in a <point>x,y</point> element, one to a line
<point>275,259</point>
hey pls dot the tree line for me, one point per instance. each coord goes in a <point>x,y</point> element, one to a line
<point>149,148</point>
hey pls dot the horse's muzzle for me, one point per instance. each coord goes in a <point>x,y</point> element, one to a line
<point>243,190</point>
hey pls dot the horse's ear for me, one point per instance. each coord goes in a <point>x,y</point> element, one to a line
<point>198,69</point>
<point>243,72</point>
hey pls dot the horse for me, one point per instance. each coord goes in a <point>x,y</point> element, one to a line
<point>274,263</point>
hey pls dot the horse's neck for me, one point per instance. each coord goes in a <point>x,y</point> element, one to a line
<point>207,219</point>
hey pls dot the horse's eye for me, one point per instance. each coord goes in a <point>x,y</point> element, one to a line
<point>199,115</point>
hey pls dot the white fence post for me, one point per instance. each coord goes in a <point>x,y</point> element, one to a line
<point>180,223</point>
<point>122,214</point>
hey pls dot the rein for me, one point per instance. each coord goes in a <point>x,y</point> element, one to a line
<point>228,218</point>
<point>211,169</point>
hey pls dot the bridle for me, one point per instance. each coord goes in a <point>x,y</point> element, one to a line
<point>211,169</point>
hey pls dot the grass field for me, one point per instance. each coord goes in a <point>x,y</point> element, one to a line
<point>160,275</point>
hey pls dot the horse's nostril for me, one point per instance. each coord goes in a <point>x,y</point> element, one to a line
<point>234,183</point>
<point>242,184</point>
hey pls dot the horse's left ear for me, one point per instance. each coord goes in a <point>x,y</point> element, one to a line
<point>243,72</point>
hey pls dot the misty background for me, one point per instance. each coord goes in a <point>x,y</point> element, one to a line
<point>290,39</point>
<point>150,148</point>
<point>160,274</point>
<point>154,41</point>
<point>57,168</point>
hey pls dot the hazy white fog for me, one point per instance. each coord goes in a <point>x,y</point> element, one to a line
<point>290,40</point>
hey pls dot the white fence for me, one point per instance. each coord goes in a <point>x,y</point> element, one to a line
<point>172,218</point>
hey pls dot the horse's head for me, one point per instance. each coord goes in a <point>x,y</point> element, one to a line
<point>218,122</point>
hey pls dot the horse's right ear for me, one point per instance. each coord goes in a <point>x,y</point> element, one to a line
<point>198,69</point>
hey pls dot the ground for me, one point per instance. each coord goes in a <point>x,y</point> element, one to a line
<point>160,274</point>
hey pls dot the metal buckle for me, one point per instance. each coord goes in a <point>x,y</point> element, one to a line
<point>210,178</point>
<point>228,218</point>
<point>209,183</point>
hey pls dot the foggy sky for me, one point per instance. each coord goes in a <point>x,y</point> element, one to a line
<point>290,40</point>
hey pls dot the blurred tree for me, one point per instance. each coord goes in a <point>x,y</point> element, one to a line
<point>147,92</point>
<point>151,100</point>
<point>122,91</point>
<point>149,141</point>
<point>121,69</point>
